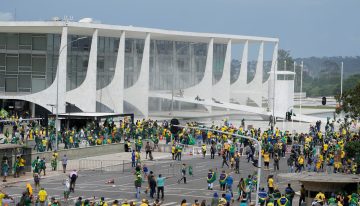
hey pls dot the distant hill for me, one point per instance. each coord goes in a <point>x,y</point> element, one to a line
<point>316,65</point>
<point>321,75</point>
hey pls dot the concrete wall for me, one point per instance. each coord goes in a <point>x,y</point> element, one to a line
<point>78,153</point>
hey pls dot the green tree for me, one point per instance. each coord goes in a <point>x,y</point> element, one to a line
<point>352,149</point>
<point>350,102</point>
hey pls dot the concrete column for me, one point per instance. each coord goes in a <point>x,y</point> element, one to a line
<point>32,109</point>
<point>206,83</point>
<point>239,86</point>
<point>138,94</point>
<point>221,90</point>
<point>88,87</point>
<point>62,65</point>
<point>115,90</point>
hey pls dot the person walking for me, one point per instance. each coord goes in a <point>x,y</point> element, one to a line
<point>270,182</point>
<point>66,189</point>
<point>266,160</point>
<point>73,177</point>
<point>229,182</point>
<point>276,162</point>
<point>160,182</point>
<point>203,150</point>
<point>64,162</point>
<point>42,195</point>
<point>183,174</point>
<point>302,195</point>
<point>212,151</point>
<point>224,162</point>
<point>133,159</point>
<point>137,182</point>
<point>152,184</point>
<point>237,163</point>
<point>5,169</point>
<point>222,180</point>
<point>211,179</point>
<point>241,188</point>
<point>289,194</point>
<point>148,151</point>
<point>42,166</point>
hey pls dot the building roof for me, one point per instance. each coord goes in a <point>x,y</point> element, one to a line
<point>321,177</point>
<point>89,115</point>
<point>83,28</point>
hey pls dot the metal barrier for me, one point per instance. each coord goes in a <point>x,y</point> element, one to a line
<point>164,167</point>
<point>104,165</point>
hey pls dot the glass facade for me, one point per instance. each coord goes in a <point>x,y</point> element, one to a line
<point>77,61</point>
<point>218,61</point>
<point>134,49</point>
<point>106,60</point>
<point>176,64</point>
<point>28,62</point>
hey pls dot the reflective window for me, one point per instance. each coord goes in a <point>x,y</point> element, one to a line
<point>3,40</point>
<point>78,58</point>
<point>25,60</point>
<point>2,59</point>
<point>24,82</point>
<point>39,64</point>
<point>12,42</point>
<point>11,85</point>
<point>39,42</point>
<point>218,61</point>
<point>29,61</point>
<point>176,64</point>
<point>106,60</point>
<point>134,49</point>
<point>25,39</point>
<point>12,63</point>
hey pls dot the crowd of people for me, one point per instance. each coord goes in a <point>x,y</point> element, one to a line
<point>316,151</point>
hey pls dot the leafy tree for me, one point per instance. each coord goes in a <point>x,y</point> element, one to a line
<point>350,102</point>
<point>352,149</point>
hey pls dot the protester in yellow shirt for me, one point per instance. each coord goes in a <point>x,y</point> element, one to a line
<point>42,195</point>
<point>270,184</point>
<point>266,159</point>
<point>2,196</point>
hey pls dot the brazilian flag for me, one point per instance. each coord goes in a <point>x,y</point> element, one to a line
<point>211,177</point>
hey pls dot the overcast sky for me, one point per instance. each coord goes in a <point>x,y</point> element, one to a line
<point>305,27</point>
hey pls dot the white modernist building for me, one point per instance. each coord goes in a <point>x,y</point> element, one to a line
<point>110,68</point>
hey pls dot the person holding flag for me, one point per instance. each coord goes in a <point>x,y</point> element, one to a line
<point>222,180</point>
<point>211,179</point>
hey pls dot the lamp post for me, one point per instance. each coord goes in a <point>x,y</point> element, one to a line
<point>301,81</point>
<point>292,120</point>
<point>341,78</point>
<point>273,121</point>
<point>57,91</point>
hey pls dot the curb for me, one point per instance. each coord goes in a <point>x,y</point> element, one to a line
<point>7,184</point>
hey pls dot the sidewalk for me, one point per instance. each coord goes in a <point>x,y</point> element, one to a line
<point>28,177</point>
<point>75,164</point>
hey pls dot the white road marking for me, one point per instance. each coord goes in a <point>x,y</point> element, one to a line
<point>169,203</point>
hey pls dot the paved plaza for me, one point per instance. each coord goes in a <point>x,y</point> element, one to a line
<point>92,183</point>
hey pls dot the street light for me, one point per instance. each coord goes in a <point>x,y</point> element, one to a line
<point>341,78</point>
<point>301,83</point>
<point>273,119</point>
<point>57,91</point>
